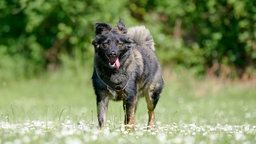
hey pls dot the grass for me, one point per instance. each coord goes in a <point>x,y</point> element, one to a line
<point>60,108</point>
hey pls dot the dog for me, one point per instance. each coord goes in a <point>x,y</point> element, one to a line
<point>125,68</point>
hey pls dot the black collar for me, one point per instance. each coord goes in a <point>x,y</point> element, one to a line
<point>119,87</point>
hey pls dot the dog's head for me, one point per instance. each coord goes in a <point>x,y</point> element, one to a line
<point>111,44</point>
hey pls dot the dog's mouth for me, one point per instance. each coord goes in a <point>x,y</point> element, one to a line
<point>113,62</point>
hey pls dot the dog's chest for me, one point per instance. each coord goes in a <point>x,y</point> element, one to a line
<point>117,95</point>
<point>114,80</point>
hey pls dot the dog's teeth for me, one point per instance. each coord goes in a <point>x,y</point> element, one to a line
<point>116,64</point>
<point>112,65</point>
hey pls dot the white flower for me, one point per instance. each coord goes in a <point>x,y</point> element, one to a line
<point>189,140</point>
<point>73,141</point>
<point>161,137</point>
<point>177,140</point>
<point>239,136</point>
<point>213,137</point>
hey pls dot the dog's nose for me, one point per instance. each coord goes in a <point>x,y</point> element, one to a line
<point>113,53</point>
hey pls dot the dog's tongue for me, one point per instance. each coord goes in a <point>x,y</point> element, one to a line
<point>117,63</point>
<point>114,62</point>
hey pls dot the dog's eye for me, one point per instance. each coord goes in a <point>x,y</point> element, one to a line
<point>106,44</point>
<point>120,43</point>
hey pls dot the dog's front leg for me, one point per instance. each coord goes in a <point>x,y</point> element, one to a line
<point>102,107</point>
<point>129,105</point>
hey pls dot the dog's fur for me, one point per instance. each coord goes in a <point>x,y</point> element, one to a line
<point>125,67</point>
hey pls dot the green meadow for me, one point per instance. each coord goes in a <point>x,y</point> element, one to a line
<point>207,51</point>
<point>60,108</point>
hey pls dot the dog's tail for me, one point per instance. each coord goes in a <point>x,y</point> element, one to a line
<point>141,36</point>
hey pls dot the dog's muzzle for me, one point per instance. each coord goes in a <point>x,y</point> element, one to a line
<point>113,61</point>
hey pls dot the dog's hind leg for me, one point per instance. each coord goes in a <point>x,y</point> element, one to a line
<point>152,98</point>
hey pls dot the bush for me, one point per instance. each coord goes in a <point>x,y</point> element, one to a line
<point>204,35</point>
<point>213,36</point>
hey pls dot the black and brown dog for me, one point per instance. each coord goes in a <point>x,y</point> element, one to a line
<point>125,67</point>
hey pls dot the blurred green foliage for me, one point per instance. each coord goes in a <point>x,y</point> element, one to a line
<point>214,36</point>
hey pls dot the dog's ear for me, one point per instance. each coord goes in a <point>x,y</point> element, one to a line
<point>95,43</point>
<point>121,27</point>
<point>102,28</point>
